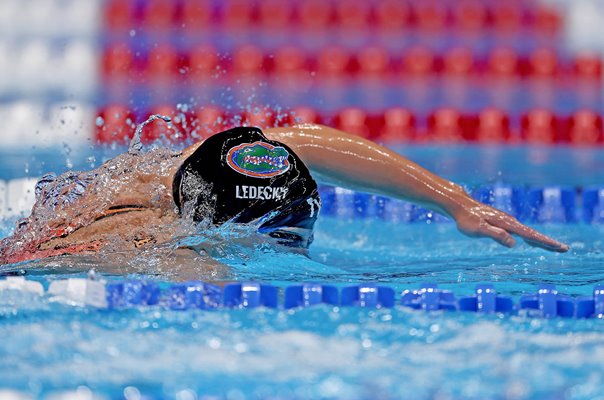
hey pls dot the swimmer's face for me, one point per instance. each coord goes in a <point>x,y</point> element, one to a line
<point>124,204</point>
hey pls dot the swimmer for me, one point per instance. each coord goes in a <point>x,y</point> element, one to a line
<point>242,175</point>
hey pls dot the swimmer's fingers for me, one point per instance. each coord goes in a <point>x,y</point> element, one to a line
<point>529,235</point>
<point>482,228</point>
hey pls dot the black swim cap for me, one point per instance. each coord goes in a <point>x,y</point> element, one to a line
<point>240,175</point>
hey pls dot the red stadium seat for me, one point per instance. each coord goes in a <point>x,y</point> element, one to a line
<point>314,14</point>
<point>445,125</point>
<point>492,126</point>
<point>115,124</point>
<point>469,15</point>
<point>352,14</point>
<point>237,14</point>
<point>162,64</point>
<point>175,131</point>
<point>355,121</point>
<point>196,14</point>
<point>507,17</point>
<point>547,19</point>
<point>119,14</point>
<point>392,15</point>
<point>503,62</point>
<point>289,61</point>
<point>373,61</point>
<point>159,15</point>
<point>539,127</point>
<point>430,15</point>
<point>333,62</point>
<point>458,61</point>
<point>543,63</point>
<point>418,61</point>
<point>397,125</point>
<point>303,115</point>
<point>118,62</point>
<point>275,14</point>
<point>248,61</point>
<point>588,66</point>
<point>204,64</point>
<point>261,117</point>
<point>585,128</point>
<point>208,121</point>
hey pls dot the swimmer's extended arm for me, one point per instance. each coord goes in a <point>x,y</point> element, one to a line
<point>350,161</point>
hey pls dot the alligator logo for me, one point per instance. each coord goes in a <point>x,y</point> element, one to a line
<point>258,159</point>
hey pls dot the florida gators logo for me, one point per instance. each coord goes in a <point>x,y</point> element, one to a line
<point>258,159</point>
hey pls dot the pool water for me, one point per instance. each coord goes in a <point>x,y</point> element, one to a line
<point>330,352</point>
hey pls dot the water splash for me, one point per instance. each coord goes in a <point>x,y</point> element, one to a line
<point>136,145</point>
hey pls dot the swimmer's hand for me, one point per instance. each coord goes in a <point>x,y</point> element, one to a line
<point>479,220</point>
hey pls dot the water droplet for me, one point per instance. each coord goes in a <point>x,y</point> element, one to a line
<point>100,121</point>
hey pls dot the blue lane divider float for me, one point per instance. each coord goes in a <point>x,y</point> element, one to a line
<point>429,298</point>
<point>131,293</point>
<point>485,300</point>
<point>558,204</point>
<point>548,303</point>
<point>310,294</point>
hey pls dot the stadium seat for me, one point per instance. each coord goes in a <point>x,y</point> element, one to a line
<point>208,120</point>
<point>430,15</point>
<point>543,63</point>
<point>353,120</point>
<point>458,61</point>
<point>539,127</point>
<point>492,126</point>
<point>373,62</point>
<point>304,115</point>
<point>261,117</point>
<point>314,14</point>
<point>506,17</point>
<point>587,66</point>
<point>237,14</point>
<point>332,62</point>
<point>119,14</point>
<point>469,15</point>
<point>445,125</point>
<point>289,61</point>
<point>158,15</point>
<point>248,61</point>
<point>585,128</point>
<point>204,64</point>
<point>546,19</point>
<point>352,14</point>
<point>275,14</point>
<point>392,15</point>
<point>196,15</point>
<point>162,64</point>
<point>502,63</point>
<point>418,61</point>
<point>396,125</point>
<point>115,123</point>
<point>118,61</point>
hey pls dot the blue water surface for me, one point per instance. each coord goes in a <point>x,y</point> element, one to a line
<point>341,353</point>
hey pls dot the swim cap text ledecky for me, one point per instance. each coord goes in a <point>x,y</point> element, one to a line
<point>258,159</point>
